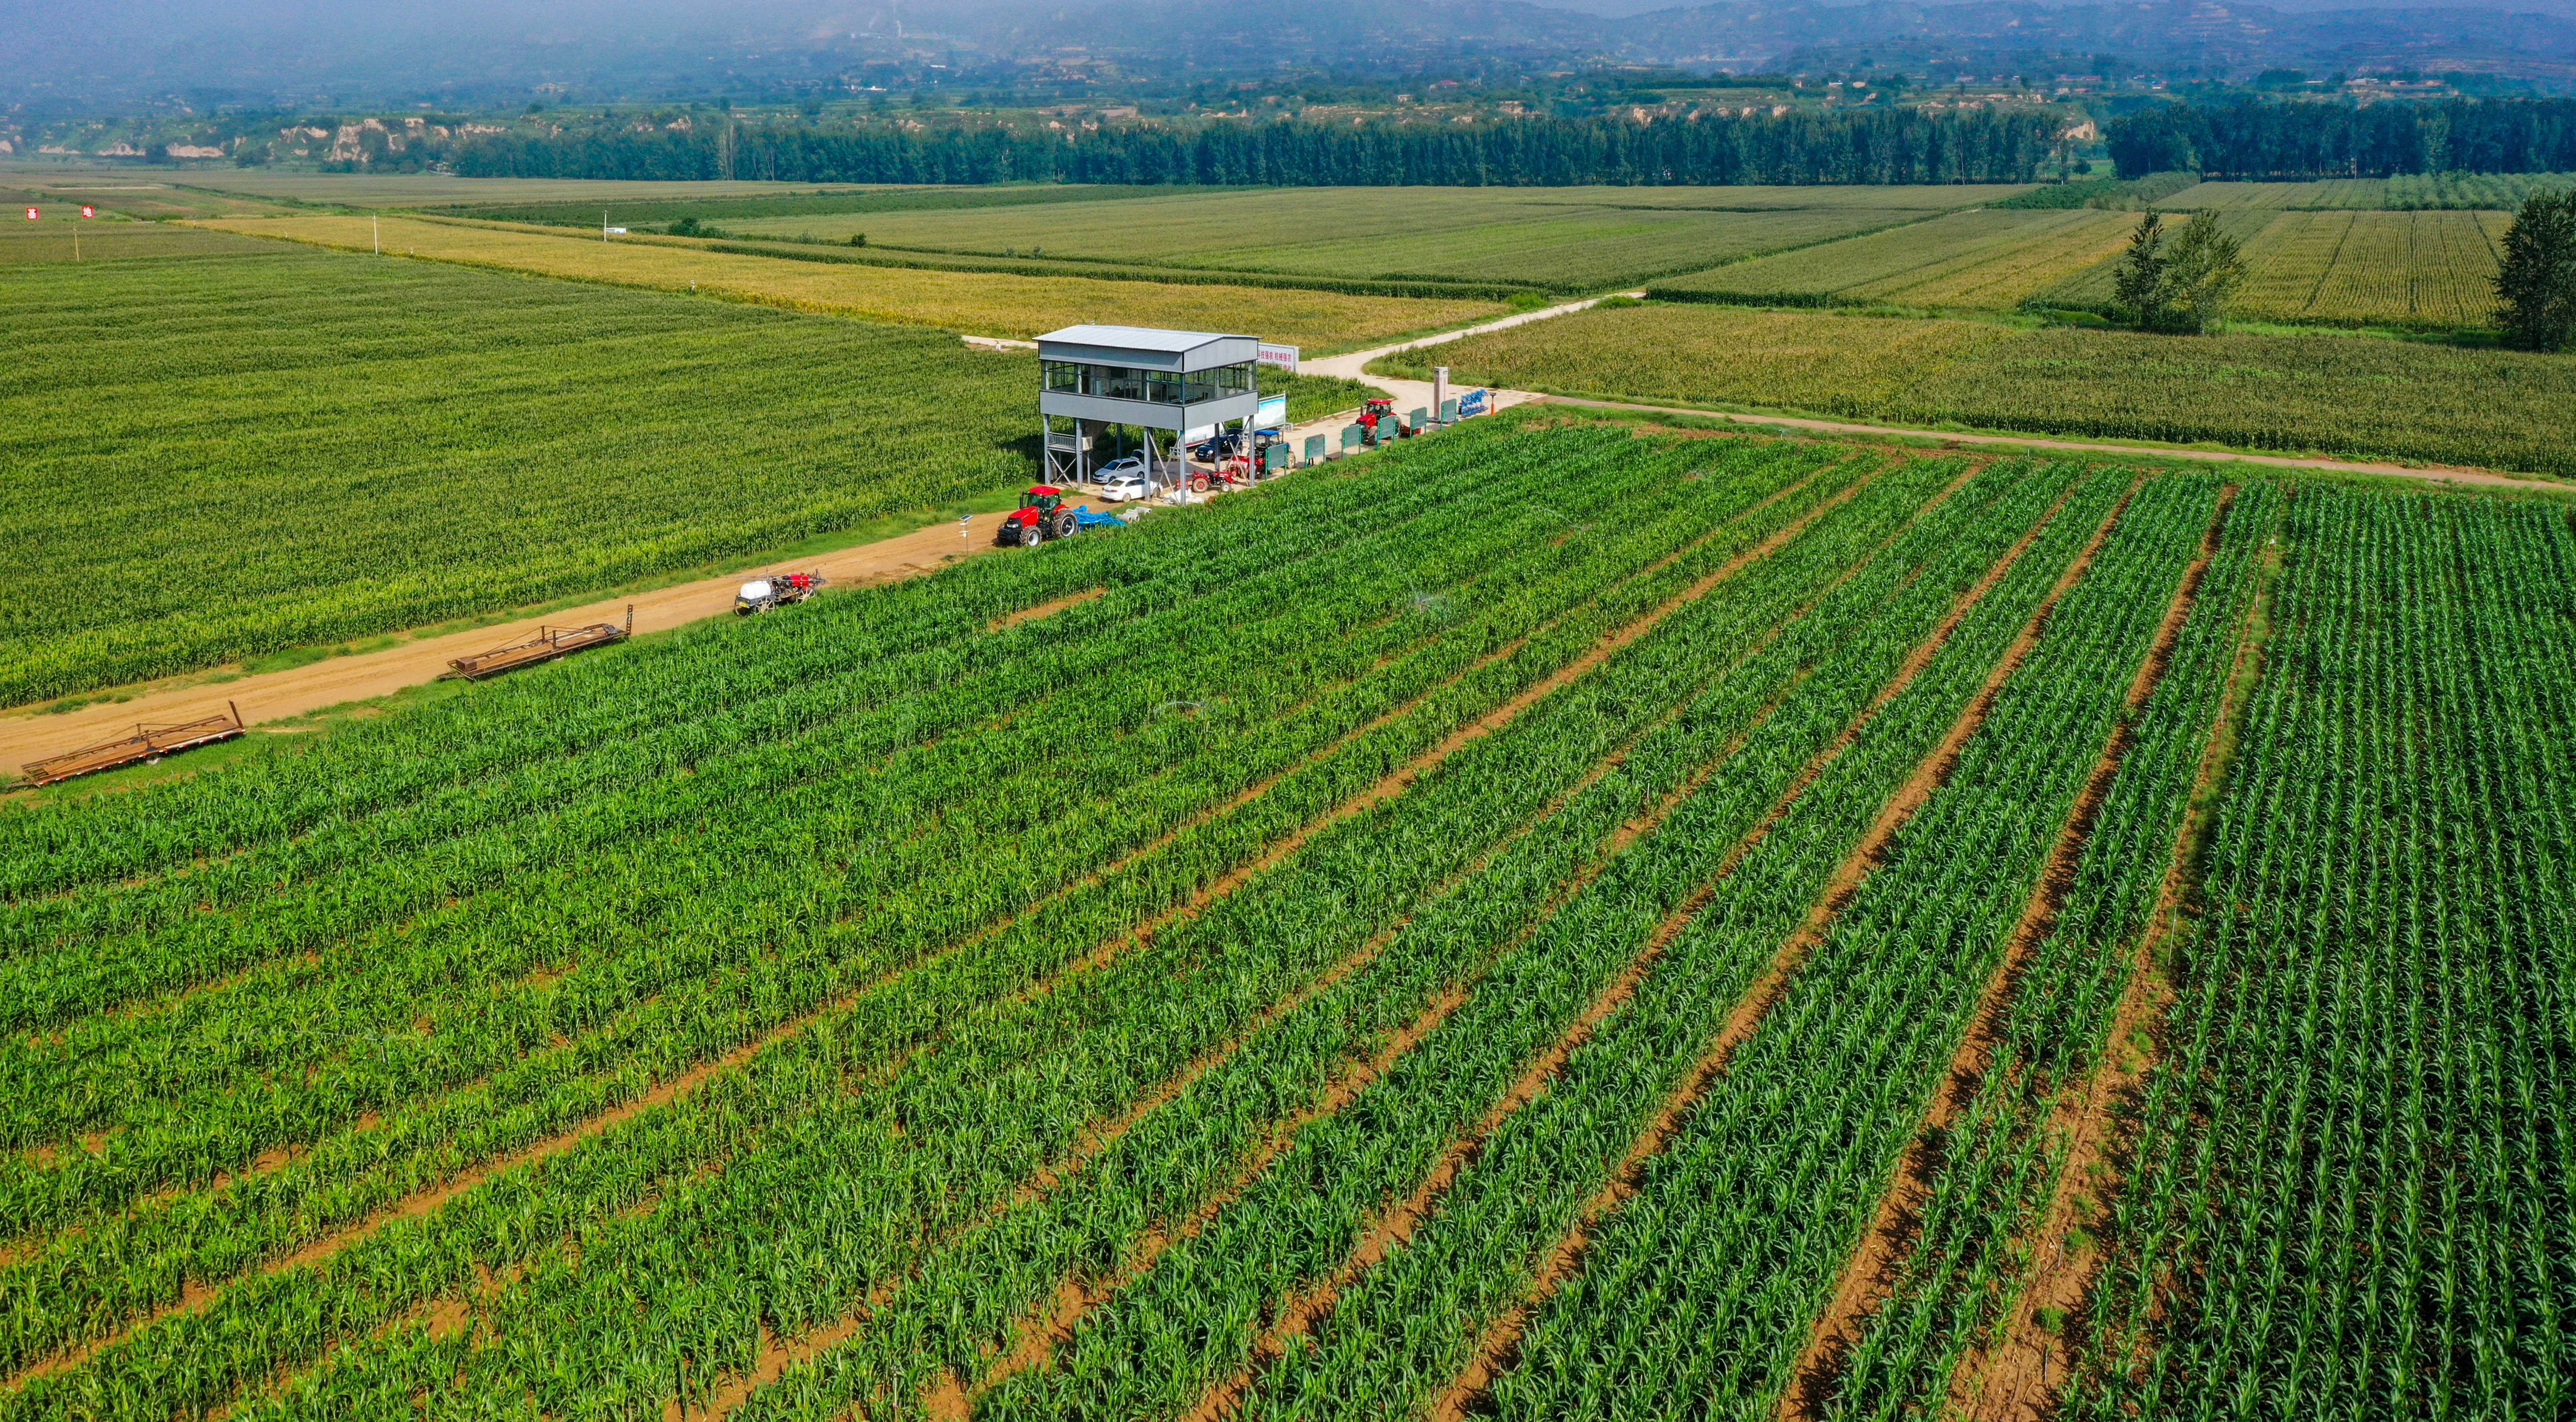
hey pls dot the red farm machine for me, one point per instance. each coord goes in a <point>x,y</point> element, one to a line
<point>1378,419</point>
<point>1042,515</point>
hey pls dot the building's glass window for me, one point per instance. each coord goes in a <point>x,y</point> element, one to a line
<point>1161,387</point>
<point>1225,380</point>
<point>1117,382</point>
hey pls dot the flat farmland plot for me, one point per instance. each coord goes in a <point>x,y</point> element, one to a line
<point>2498,192</point>
<point>116,194</point>
<point>2000,280</point>
<point>391,190</point>
<point>2437,267</point>
<point>1600,247</point>
<point>2429,269</point>
<point>1931,197</point>
<point>1164,228</point>
<point>1565,238</point>
<point>2327,393</point>
<point>1531,891</point>
<point>2359,194</point>
<point>290,447</point>
<point>1793,360</point>
<point>982,303</point>
<point>815,202</point>
<point>1985,258</point>
<point>101,241</point>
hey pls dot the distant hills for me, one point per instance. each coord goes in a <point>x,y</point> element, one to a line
<point>1987,35</point>
<point>71,53</point>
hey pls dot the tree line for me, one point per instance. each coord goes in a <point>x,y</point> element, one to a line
<point>2257,139</point>
<point>1858,146</point>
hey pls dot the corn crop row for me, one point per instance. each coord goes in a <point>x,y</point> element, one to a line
<point>1999,1161</point>
<point>1704,1284</point>
<point>912,1008</point>
<point>2350,1192</point>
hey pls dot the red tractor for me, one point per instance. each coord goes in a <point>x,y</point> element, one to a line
<point>1040,516</point>
<point>1234,471</point>
<point>1378,418</point>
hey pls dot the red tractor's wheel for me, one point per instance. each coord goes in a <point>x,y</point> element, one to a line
<point>1031,535</point>
<point>1198,483</point>
<point>1065,524</point>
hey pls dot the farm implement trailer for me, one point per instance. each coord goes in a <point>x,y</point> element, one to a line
<point>548,644</point>
<point>147,743</point>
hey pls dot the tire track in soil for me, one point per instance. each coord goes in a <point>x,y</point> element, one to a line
<point>1396,1225</point>
<point>1997,1384</point>
<point>1075,1297</point>
<point>1498,1349</point>
<point>195,1295</point>
<point>1877,1262</point>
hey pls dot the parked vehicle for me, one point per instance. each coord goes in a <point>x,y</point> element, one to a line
<point>1226,445</point>
<point>1118,486</point>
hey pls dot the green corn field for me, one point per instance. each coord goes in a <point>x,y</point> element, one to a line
<point>1550,920</point>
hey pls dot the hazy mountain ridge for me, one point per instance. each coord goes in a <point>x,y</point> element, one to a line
<point>483,51</point>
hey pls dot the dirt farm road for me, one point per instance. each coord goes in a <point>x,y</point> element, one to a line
<point>269,696</point>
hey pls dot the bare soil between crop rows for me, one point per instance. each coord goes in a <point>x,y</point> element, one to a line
<point>1875,1265</point>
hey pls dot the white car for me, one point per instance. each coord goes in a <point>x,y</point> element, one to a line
<point>1123,480</point>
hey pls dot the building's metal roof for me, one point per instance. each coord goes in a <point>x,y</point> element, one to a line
<point>1135,338</point>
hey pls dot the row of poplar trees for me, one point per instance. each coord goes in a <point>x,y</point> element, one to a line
<point>1857,146</point>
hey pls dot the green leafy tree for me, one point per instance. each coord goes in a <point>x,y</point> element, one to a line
<point>2139,285</point>
<point>2536,285</point>
<point>2181,282</point>
<point>2203,270</point>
